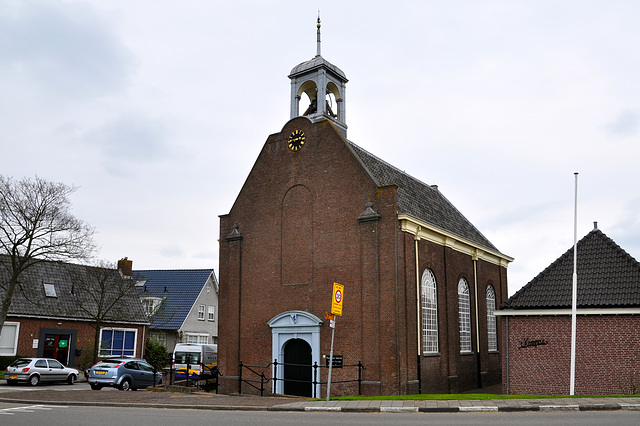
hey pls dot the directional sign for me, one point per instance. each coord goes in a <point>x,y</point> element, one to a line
<point>336,301</point>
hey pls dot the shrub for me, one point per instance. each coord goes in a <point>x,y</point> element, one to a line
<point>156,354</point>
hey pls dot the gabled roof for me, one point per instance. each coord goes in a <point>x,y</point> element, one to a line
<point>608,277</point>
<point>422,201</point>
<point>179,289</point>
<point>72,284</point>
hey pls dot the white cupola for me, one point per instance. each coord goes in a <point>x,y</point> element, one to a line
<point>319,79</point>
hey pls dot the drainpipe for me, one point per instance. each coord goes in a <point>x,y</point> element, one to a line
<point>418,308</point>
<point>475,280</point>
<point>507,338</point>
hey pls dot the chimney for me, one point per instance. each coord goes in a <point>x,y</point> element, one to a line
<point>595,225</point>
<point>125,266</point>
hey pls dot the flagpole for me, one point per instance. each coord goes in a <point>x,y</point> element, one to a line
<point>574,291</point>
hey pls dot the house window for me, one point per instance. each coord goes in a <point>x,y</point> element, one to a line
<point>464,311</point>
<point>160,338</point>
<point>197,338</point>
<point>50,290</point>
<point>211,313</point>
<point>9,338</point>
<point>492,335</point>
<point>201,312</point>
<point>429,302</point>
<point>118,342</point>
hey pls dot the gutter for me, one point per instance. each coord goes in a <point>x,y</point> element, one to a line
<point>567,311</point>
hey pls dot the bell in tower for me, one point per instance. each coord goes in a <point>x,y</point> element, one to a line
<point>324,85</point>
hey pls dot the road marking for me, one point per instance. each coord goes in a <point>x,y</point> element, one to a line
<point>29,409</point>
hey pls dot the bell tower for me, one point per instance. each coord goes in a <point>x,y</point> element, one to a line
<point>324,85</point>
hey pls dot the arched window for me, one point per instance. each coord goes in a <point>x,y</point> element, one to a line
<point>492,335</point>
<point>464,310</point>
<point>429,302</point>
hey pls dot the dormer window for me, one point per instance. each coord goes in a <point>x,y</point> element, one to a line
<point>50,290</point>
<point>151,304</point>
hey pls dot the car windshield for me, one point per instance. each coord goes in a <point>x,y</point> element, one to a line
<point>22,362</point>
<point>108,363</point>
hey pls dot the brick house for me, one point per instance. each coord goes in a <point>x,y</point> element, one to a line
<point>53,315</point>
<point>317,209</point>
<point>537,323</point>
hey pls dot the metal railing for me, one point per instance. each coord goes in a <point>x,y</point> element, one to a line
<point>258,379</point>
<point>206,382</point>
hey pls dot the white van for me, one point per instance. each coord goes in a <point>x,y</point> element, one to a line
<point>201,358</point>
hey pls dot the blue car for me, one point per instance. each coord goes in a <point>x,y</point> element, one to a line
<point>123,373</point>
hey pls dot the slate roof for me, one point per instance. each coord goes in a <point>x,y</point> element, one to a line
<point>179,288</point>
<point>72,283</point>
<point>608,277</point>
<point>420,200</point>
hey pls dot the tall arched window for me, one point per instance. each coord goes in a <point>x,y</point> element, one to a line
<point>464,310</point>
<point>429,302</point>
<point>492,335</point>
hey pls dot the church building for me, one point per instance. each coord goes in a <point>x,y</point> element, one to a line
<point>420,281</point>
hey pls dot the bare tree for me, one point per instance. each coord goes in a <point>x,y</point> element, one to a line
<point>104,295</point>
<point>35,225</point>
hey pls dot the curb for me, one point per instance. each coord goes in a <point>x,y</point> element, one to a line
<point>337,409</point>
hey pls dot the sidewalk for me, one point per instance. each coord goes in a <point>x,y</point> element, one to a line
<point>206,401</point>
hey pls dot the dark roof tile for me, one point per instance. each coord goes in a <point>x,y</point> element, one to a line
<point>179,289</point>
<point>608,277</point>
<point>420,200</point>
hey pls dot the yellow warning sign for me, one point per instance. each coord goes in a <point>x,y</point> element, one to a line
<point>336,301</point>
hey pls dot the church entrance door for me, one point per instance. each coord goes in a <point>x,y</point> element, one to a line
<point>297,368</point>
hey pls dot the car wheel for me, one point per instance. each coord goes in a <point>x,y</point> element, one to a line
<point>95,386</point>
<point>34,380</point>
<point>125,385</point>
<point>71,379</point>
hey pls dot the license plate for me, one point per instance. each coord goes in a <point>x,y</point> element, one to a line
<point>13,377</point>
<point>100,372</point>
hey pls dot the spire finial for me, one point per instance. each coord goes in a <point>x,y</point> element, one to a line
<point>318,25</point>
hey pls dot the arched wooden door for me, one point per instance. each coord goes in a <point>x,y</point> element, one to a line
<point>297,368</point>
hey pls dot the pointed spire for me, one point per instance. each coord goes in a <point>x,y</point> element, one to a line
<point>318,25</point>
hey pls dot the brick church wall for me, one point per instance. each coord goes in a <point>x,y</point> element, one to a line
<point>298,232</point>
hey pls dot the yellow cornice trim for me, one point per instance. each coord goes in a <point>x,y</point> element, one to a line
<point>424,231</point>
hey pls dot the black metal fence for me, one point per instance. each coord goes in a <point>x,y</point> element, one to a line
<point>259,380</point>
<point>207,380</point>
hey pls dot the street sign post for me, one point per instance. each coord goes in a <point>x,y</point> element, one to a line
<point>336,309</point>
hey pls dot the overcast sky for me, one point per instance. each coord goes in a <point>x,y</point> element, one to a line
<point>157,111</point>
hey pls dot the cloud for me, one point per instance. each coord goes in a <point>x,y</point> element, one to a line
<point>62,48</point>
<point>128,140</point>
<point>172,251</point>
<point>626,124</point>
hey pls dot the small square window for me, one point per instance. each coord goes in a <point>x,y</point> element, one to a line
<point>50,290</point>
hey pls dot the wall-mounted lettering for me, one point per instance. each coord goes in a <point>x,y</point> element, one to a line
<point>531,343</point>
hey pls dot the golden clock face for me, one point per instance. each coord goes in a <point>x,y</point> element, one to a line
<point>296,140</point>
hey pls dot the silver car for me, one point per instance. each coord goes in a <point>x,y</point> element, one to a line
<point>123,373</point>
<point>36,370</point>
